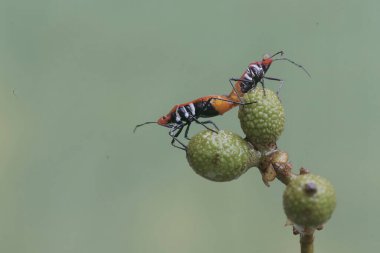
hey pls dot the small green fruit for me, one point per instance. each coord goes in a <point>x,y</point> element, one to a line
<point>309,200</point>
<point>221,156</point>
<point>262,122</point>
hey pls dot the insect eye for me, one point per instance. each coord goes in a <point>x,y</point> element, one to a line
<point>163,117</point>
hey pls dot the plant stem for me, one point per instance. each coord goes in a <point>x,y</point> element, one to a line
<point>279,163</point>
<point>276,165</point>
<point>284,172</point>
<point>306,241</point>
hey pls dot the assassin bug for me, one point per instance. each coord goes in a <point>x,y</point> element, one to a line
<point>255,74</point>
<point>182,115</point>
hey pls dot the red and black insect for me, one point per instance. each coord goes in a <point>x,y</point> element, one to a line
<point>255,74</point>
<point>182,115</point>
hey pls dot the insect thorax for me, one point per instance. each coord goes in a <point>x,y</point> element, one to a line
<point>257,71</point>
<point>254,73</point>
<point>185,113</point>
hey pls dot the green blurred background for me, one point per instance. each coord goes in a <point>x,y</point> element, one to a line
<point>76,76</point>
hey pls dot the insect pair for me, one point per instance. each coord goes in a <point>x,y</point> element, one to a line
<point>183,115</point>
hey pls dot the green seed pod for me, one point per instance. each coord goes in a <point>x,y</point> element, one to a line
<point>309,200</point>
<point>221,156</point>
<point>262,122</point>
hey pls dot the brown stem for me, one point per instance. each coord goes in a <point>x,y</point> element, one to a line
<point>276,165</point>
<point>284,172</point>
<point>307,243</point>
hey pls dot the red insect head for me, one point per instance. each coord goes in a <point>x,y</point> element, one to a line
<point>164,120</point>
<point>267,60</point>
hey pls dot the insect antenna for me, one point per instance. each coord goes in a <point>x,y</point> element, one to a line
<point>149,122</point>
<point>279,52</point>
<point>300,66</point>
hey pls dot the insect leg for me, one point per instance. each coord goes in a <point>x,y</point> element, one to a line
<point>210,122</point>
<point>183,146</point>
<point>233,87</point>
<point>187,131</point>
<point>174,133</point>
<point>204,124</point>
<point>282,82</point>
<point>232,102</point>
<point>262,84</point>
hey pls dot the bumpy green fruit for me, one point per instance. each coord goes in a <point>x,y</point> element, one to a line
<point>221,156</point>
<point>262,122</point>
<point>309,200</point>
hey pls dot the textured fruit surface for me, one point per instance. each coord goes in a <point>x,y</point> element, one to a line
<point>309,200</point>
<point>262,122</point>
<point>221,156</point>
